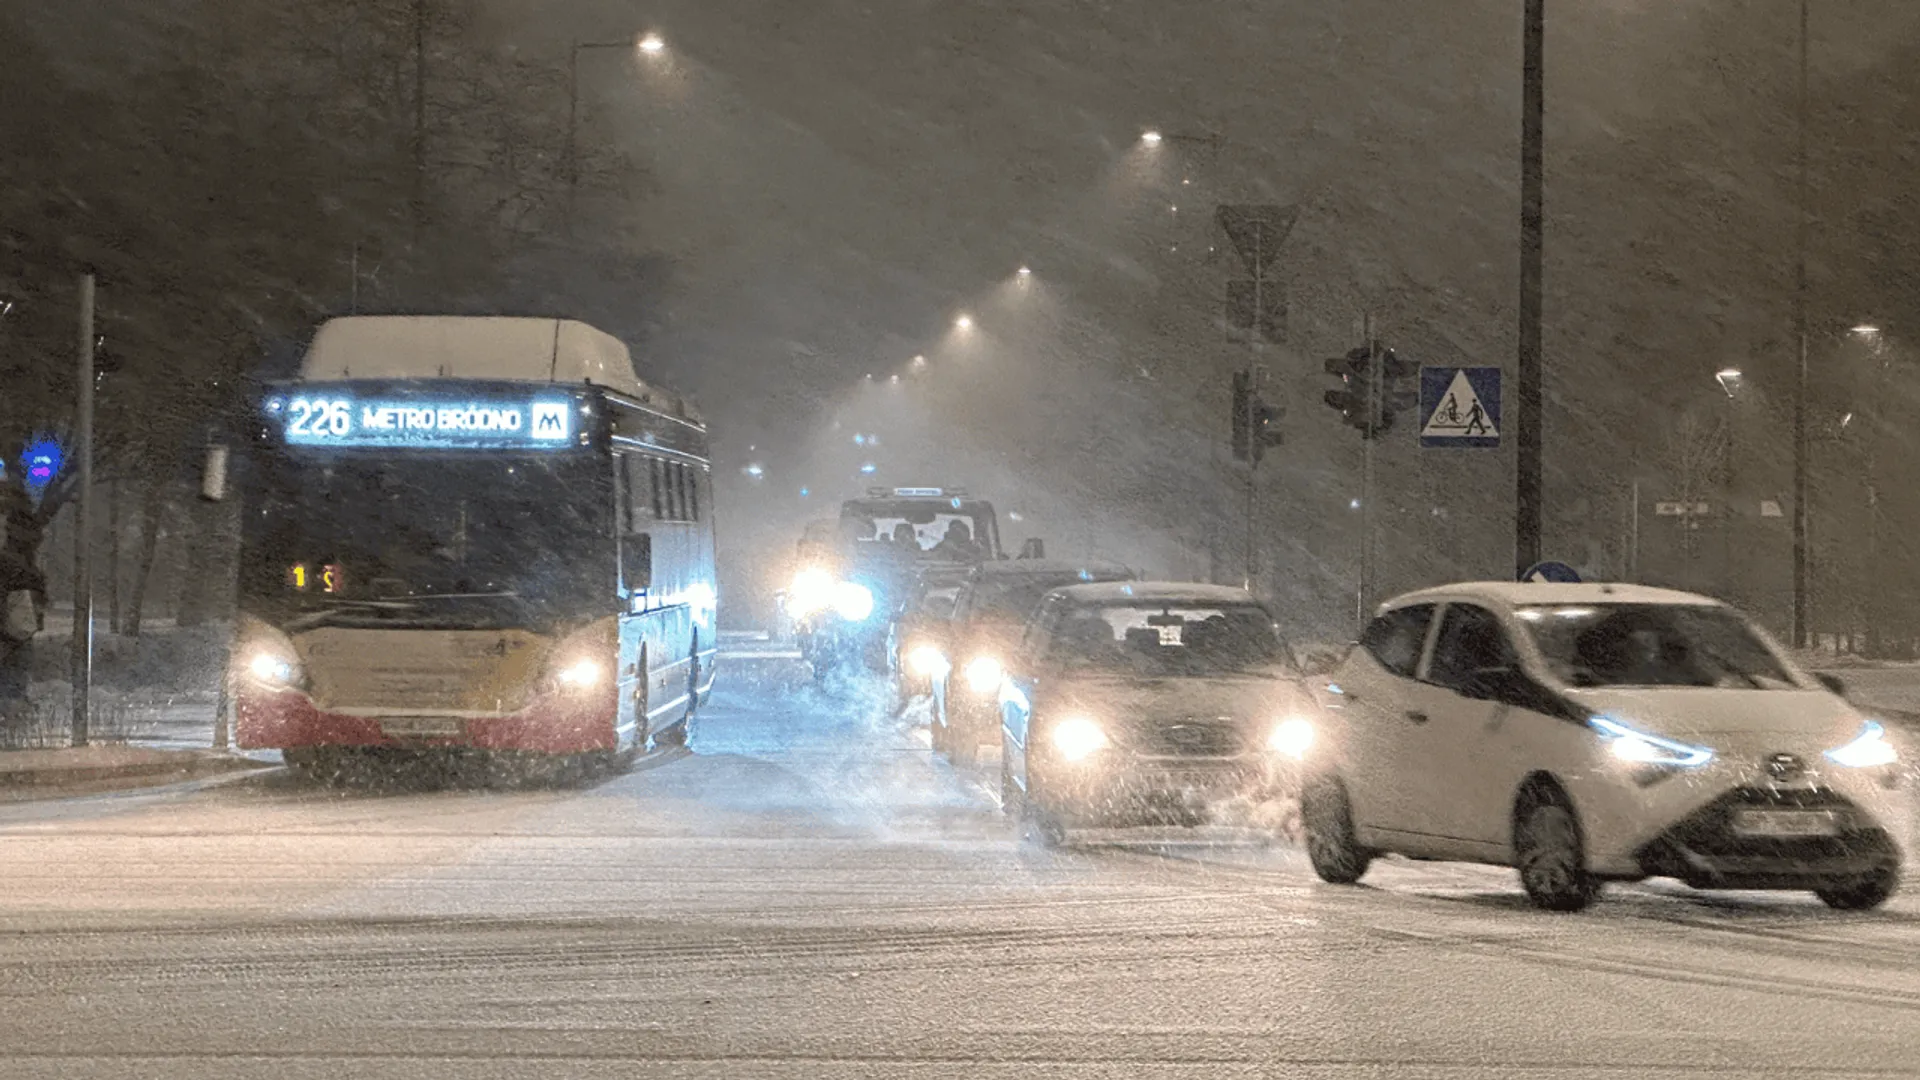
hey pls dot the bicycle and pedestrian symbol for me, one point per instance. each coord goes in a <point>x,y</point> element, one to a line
<point>1460,406</point>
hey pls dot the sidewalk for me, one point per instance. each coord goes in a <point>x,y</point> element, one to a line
<point>41,774</point>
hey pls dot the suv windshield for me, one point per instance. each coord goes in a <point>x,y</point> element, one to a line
<point>1654,645</point>
<point>1016,596</point>
<point>1161,640</point>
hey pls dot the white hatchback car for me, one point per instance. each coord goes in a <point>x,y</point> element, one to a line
<point>1585,733</point>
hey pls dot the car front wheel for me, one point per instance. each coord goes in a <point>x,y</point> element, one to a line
<point>1331,847</point>
<point>1860,895</point>
<point>1551,856</point>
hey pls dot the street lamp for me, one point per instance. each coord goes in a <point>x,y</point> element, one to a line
<point>1726,377</point>
<point>1150,137</point>
<point>651,45</point>
<point>1026,271</point>
<point>964,322</point>
<point>1867,330</point>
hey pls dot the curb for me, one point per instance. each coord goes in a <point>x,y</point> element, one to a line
<point>186,766</point>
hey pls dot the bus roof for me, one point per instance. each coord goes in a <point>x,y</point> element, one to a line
<point>519,349</point>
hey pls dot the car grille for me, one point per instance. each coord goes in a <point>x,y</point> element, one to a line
<point>1189,738</point>
<point>1704,848</point>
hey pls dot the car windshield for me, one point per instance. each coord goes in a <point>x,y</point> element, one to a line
<point>1698,645</point>
<point>1015,597</point>
<point>1164,640</point>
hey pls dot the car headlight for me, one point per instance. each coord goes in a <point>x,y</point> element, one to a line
<point>1641,748</point>
<point>1292,737</point>
<point>1078,738</point>
<point>1867,750</point>
<point>812,591</point>
<point>580,675</point>
<point>273,667</point>
<point>852,602</point>
<point>983,674</point>
<point>926,661</point>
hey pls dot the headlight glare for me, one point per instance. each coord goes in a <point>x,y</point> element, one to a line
<point>1868,749</point>
<point>580,675</point>
<point>1641,748</point>
<point>273,667</point>
<point>812,591</point>
<point>926,661</point>
<point>1078,738</point>
<point>983,674</point>
<point>852,602</point>
<point>1292,737</point>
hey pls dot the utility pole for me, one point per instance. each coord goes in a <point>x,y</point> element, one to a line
<point>82,652</point>
<point>418,200</point>
<point>1527,492</point>
<point>1801,630</point>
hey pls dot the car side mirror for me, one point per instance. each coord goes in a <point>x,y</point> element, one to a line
<point>636,562</point>
<point>1834,684</point>
<point>213,474</point>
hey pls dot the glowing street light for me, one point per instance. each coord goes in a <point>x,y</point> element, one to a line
<point>755,470</point>
<point>1026,271</point>
<point>652,44</point>
<point>964,322</point>
<point>1727,377</point>
<point>919,362</point>
<point>1150,137</point>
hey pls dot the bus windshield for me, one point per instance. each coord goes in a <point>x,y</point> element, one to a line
<point>460,532</point>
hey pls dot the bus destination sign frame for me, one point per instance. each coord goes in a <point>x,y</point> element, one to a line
<point>338,418</point>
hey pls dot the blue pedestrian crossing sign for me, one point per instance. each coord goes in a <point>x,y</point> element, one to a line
<point>1460,406</point>
<point>1555,572</point>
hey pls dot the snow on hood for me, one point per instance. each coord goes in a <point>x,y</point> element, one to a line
<point>1798,720</point>
<point>1248,698</point>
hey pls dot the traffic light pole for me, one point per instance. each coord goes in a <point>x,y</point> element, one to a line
<point>1527,493</point>
<point>82,643</point>
<point>1365,590</point>
<point>1256,450</point>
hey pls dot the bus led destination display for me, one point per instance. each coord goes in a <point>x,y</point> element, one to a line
<point>335,419</point>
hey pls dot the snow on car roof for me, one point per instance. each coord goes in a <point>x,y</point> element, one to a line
<point>1156,592</point>
<point>1038,567</point>
<point>1519,593</point>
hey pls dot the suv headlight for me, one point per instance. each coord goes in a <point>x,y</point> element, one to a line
<point>1078,738</point>
<point>1868,749</point>
<point>852,602</point>
<point>812,591</point>
<point>983,674</point>
<point>1292,737</point>
<point>926,661</point>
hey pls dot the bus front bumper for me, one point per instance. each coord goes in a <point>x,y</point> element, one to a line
<point>286,719</point>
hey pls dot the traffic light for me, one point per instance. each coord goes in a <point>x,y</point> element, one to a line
<point>1354,401</point>
<point>1266,426</point>
<point>1242,416</point>
<point>1376,386</point>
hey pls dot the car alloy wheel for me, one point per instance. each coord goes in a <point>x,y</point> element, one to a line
<point>1552,858</point>
<point>1331,847</point>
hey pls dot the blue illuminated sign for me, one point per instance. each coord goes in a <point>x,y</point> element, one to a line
<point>41,463</point>
<point>333,418</point>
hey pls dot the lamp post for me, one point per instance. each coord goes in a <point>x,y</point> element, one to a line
<point>647,45</point>
<point>1801,631</point>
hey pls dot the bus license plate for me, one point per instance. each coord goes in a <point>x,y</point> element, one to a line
<point>1787,823</point>
<point>422,727</point>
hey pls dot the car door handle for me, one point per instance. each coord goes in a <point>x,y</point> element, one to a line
<point>1416,716</point>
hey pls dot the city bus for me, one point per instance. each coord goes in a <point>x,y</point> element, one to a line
<point>470,533</point>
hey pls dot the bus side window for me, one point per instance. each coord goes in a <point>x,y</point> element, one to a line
<point>693,494</point>
<point>639,494</point>
<point>658,469</point>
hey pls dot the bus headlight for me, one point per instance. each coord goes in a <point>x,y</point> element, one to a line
<point>580,675</point>
<point>983,674</point>
<point>1078,738</point>
<point>273,667</point>
<point>1292,737</point>
<point>852,602</point>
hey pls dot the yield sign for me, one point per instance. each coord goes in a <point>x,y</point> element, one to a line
<point>1257,230</point>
